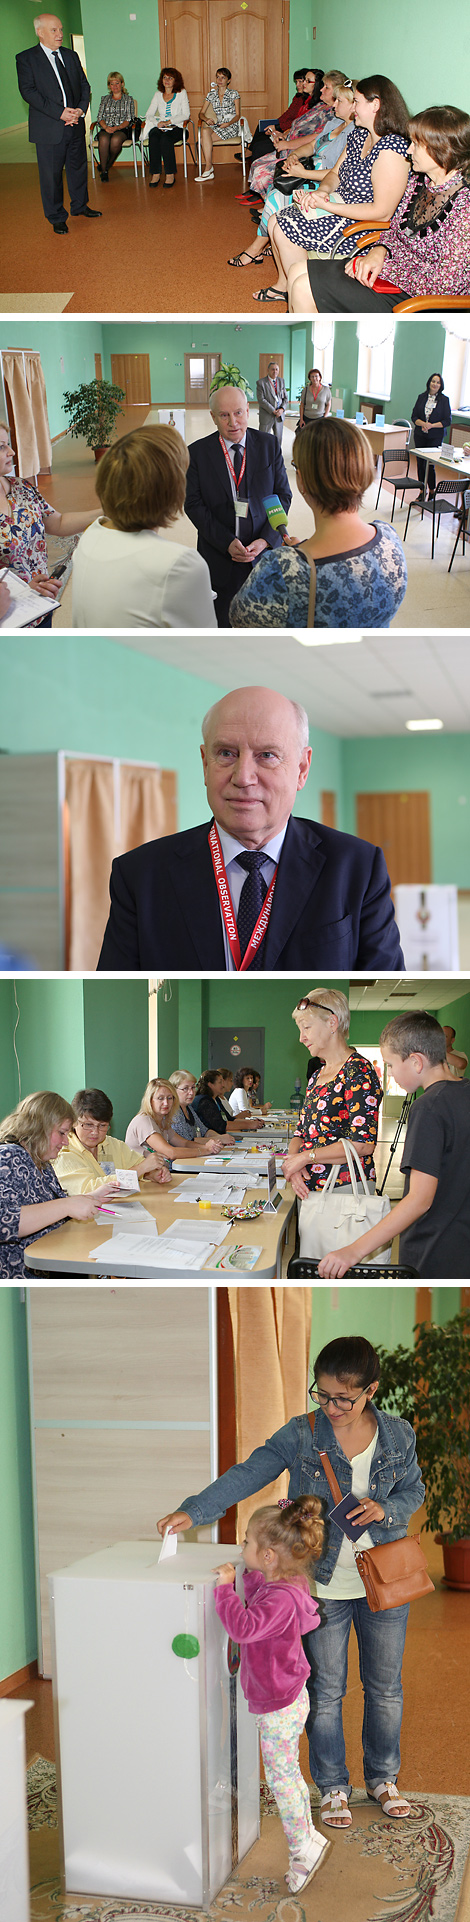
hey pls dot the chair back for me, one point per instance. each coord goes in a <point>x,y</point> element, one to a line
<point>404,423</point>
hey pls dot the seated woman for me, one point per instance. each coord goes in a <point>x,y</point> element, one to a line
<point>245,1121</point>
<point>164,122</point>
<point>359,566</point>
<point>308,82</point>
<point>124,573</point>
<point>31,1198</point>
<point>208,1104</point>
<point>220,115</point>
<point>426,249</point>
<point>115,120</point>
<point>370,179</point>
<point>91,1155</point>
<point>325,151</point>
<point>25,520</point>
<point>186,1122</point>
<point>154,1125</point>
<point>431,415</point>
<point>306,128</point>
<point>342,1101</point>
<point>240,1100</point>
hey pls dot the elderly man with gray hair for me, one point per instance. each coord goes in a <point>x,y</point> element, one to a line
<point>52,81</point>
<point>233,475</point>
<point>271,394</point>
<point>252,887</point>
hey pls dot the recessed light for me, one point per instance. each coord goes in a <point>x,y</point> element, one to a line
<point>424,727</point>
<point>322,639</point>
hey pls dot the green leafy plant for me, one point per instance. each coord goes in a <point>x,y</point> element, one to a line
<point>93,410</point>
<point>429,1386</point>
<point>230,376</point>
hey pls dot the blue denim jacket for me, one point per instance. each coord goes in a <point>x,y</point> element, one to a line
<point>395,1479</point>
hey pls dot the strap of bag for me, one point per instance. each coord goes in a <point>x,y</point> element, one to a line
<point>312,595</point>
<point>329,1471</point>
<point>354,1165</point>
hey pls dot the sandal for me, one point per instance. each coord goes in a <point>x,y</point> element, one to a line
<point>337,1814</point>
<point>394,1804</point>
<point>268,296</point>
<point>244,259</point>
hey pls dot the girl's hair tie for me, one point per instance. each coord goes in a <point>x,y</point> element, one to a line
<point>287,1503</point>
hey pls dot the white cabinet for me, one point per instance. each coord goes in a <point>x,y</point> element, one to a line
<point>158,1755</point>
<point>14,1865</point>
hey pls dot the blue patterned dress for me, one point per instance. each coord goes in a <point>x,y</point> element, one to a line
<point>362,588</point>
<point>21,1184</point>
<point>354,185</point>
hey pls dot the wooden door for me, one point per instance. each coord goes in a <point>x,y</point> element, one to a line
<point>132,372</point>
<point>199,370</point>
<point>400,825</point>
<point>198,36</point>
<point>265,362</point>
<point>98,367</point>
<point>328,808</point>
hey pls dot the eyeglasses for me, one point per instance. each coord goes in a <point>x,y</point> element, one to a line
<point>306,1003</point>
<point>81,1123</point>
<point>343,1403</point>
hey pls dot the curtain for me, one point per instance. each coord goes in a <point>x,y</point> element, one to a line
<point>143,806</point>
<point>110,807</point>
<point>25,389</point>
<point>271,1335</point>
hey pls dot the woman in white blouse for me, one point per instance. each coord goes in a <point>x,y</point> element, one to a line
<point>164,122</point>
<point>124,573</point>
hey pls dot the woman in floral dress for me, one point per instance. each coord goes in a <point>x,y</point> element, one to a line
<point>342,1099</point>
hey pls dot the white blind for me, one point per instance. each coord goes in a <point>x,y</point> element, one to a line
<point>323,342</point>
<point>376,338</point>
<point>456,364</point>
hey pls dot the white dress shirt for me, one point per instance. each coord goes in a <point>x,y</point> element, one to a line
<point>51,53</point>
<point>237,875</point>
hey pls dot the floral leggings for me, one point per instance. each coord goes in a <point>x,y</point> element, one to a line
<point>279,1736</point>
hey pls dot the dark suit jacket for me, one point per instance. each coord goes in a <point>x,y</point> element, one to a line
<point>331,906</point>
<point>438,421</point>
<point>38,85</point>
<point>209,499</point>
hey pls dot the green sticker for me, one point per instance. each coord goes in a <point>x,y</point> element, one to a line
<point>186,1646</point>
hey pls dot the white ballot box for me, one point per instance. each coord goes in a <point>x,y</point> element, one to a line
<point>14,1862</point>
<point>158,1767</point>
<point>428,921</point>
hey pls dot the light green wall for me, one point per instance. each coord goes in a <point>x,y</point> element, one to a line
<point>437,762</point>
<point>49,1036</point>
<point>116,1044</point>
<point>74,1034</point>
<point>67,349</point>
<point>237,342</point>
<point>17,33</point>
<point>457,1015</point>
<point>426,54</point>
<point>366,1029</point>
<point>418,351</point>
<point>113,39</point>
<point>386,1316</point>
<point>8,1069</point>
<point>183,1023</point>
<point>17,1581</point>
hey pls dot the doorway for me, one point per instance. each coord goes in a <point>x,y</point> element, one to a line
<point>199,370</point>
<point>198,36</point>
<point>132,372</point>
<point>237,1048</point>
<point>400,825</point>
<point>265,362</point>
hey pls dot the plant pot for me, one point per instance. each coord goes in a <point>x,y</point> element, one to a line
<point>98,451</point>
<point>456,1561</point>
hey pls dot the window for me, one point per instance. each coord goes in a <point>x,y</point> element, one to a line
<point>323,341</point>
<point>456,363</point>
<point>376,338</point>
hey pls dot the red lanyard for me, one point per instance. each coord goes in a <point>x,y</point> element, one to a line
<point>230,924</point>
<point>230,465</point>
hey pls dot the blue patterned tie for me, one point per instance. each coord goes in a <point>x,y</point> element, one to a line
<point>253,894</point>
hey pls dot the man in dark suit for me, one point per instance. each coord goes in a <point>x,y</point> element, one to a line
<point>230,475</point>
<point>190,902</point>
<point>52,80</point>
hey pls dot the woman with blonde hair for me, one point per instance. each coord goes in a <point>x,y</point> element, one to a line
<point>124,573</point>
<point>350,572</point>
<point>114,120</point>
<point>31,1198</point>
<point>186,1122</point>
<point>341,1103</point>
<point>154,1126</point>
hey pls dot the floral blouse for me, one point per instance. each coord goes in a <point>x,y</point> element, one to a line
<point>21,1184</point>
<point>224,110</point>
<point>347,1106</point>
<point>116,113</point>
<point>23,538</point>
<point>428,240</point>
<point>361,589</point>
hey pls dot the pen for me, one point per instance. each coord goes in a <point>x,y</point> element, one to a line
<point>107,1211</point>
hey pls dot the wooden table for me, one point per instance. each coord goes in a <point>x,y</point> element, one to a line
<point>381,437</point>
<point>65,1250</point>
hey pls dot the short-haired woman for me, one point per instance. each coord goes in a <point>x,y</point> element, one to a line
<point>91,1155</point>
<point>124,573</point>
<point>315,399</point>
<point>115,120</point>
<point>31,1198</point>
<point>245,1118</point>
<point>241,1098</point>
<point>186,1122</point>
<point>426,249</point>
<point>220,115</point>
<point>431,415</point>
<point>359,577</point>
<point>153,1127</point>
<point>373,1455</point>
<point>206,1102</point>
<point>163,127</point>
<point>342,1102</point>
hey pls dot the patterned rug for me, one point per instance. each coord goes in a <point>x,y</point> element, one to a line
<point>378,1871</point>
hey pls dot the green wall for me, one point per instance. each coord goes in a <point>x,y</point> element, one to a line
<point>67,349</point>
<point>386,1316</point>
<point>18,1643</point>
<point>418,351</point>
<point>8,1069</point>
<point>74,1034</point>
<point>116,1044</point>
<point>183,1023</point>
<point>239,342</point>
<point>17,33</point>
<point>426,53</point>
<point>457,1015</point>
<point>437,762</point>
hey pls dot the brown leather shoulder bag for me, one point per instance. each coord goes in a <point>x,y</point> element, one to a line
<point>392,1572</point>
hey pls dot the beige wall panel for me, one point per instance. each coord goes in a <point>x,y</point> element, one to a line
<point>29,813</point>
<point>95,1487</point>
<point>135,1354</point>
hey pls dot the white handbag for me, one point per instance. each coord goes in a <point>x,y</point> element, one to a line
<point>330,1221</point>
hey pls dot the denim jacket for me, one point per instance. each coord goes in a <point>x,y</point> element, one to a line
<point>395,1479</point>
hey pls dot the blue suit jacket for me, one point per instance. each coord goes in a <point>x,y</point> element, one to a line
<point>331,906</point>
<point>209,501</point>
<point>39,86</point>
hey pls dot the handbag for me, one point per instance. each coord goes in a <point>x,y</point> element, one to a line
<point>392,1572</point>
<point>329,1221</point>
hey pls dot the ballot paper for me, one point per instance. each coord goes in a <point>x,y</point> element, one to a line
<point>187,1244</point>
<point>26,605</point>
<point>184,1231</point>
<point>218,1191</point>
<point>137,1218</point>
<point>169,1545</point>
<point>127,1179</point>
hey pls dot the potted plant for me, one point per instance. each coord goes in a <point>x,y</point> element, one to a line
<point>429,1386</point>
<point>93,410</point>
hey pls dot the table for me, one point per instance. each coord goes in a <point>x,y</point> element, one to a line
<point>382,437</point>
<point>65,1250</point>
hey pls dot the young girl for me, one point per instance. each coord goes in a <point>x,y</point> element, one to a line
<point>279,1544</point>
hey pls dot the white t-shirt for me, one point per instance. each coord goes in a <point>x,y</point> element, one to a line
<point>346,1581</point>
<point>139,580</point>
<point>239,1102</point>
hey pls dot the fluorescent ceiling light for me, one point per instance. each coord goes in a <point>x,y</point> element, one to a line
<point>322,639</point>
<point>424,727</point>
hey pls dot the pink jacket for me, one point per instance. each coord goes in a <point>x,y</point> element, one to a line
<point>269,1629</point>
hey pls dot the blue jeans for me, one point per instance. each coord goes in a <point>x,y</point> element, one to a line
<point>381,1641</point>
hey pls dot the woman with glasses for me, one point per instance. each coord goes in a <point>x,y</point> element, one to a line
<point>89,1158</point>
<point>342,1101</point>
<point>373,1456</point>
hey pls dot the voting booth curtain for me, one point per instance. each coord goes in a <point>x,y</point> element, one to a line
<point>25,403</point>
<point>271,1342</point>
<point>109,806</point>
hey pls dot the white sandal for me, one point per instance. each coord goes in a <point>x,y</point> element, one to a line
<point>394,1804</point>
<point>337,1814</point>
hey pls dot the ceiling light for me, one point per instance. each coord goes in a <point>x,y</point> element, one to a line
<point>424,727</point>
<point>322,639</point>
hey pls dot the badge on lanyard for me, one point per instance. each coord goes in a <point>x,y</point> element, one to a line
<point>229,919</point>
<point>241,506</point>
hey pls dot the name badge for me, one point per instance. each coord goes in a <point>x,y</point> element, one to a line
<point>241,509</point>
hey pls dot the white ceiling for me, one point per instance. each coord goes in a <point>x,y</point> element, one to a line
<point>369,688</point>
<point>394,994</point>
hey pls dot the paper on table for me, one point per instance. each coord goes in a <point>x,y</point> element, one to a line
<point>169,1545</point>
<point>26,605</point>
<point>121,1247</point>
<point>127,1179</point>
<point>180,1231</point>
<point>137,1218</point>
<point>220,1192</point>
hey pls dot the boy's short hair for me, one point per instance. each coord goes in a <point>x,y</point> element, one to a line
<point>141,481</point>
<point>417,1033</point>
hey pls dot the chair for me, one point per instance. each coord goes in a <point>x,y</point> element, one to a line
<point>413,304</point>
<point>443,501</point>
<point>464,512</point>
<point>404,423</point>
<point>144,149</point>
<point>94,145</point>
<point>402,484</point>
<point>303,1268</point>
<point>225,143</point>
